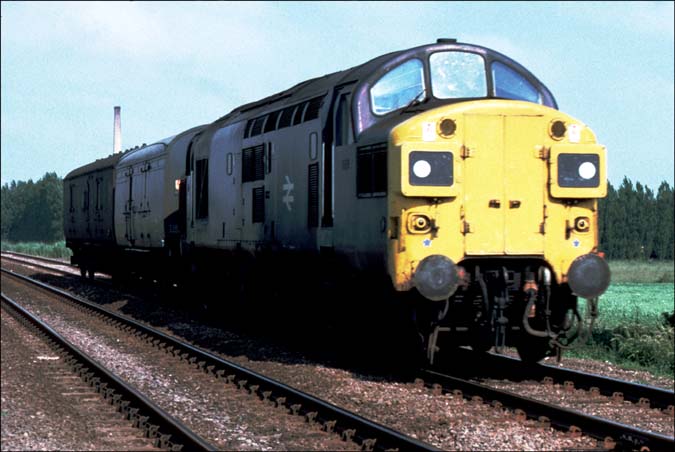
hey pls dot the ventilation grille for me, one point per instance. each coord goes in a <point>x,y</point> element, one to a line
<point>253,163</point>
<point>259,205</point>
<point>313,108</point>
<point>313,195</point>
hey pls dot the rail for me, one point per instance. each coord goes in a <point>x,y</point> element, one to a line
<point>370,435</point>
<point>169,433</point>
<point>624,436</point>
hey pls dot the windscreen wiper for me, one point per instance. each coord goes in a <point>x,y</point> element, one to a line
<point>415,102</point>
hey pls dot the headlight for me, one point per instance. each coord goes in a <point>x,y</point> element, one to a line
<point>578,170</point>
<point>430,168</point>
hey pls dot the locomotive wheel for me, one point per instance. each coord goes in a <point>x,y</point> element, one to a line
<point>533,349</point>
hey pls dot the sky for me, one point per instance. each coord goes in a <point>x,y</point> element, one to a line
<point>174,65</point>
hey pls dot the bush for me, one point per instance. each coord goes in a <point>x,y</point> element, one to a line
<point>648,345</point>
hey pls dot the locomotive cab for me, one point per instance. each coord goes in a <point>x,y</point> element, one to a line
<point>492,206</point>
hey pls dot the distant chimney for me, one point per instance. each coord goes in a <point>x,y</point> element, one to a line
<point>117,134</point>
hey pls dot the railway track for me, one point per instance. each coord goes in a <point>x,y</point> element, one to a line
<point>607,432</point>
<point>498,366</point>
<point>165,432</point>
<point>610,434</point>
<point>364,433</point>
<point>26,257</point>
<point>493,366</point>
<point>52,265</point>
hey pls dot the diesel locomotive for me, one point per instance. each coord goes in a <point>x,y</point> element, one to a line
<point>443,175</point>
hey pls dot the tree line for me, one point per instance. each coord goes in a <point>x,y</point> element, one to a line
<point>32,211</point>
<point>634,222</point>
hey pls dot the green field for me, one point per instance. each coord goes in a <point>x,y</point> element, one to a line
<point>631,303</point>
<point>642,271</point>
<point>634,328</point>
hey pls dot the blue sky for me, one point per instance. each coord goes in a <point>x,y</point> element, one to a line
<point>174,65</point>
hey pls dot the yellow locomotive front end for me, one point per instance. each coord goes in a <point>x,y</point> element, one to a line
<point>493,220</point>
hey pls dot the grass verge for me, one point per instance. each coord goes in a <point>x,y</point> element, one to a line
<point>55,250</point>
<point>634,328</point>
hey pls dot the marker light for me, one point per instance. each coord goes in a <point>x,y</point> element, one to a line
<point>421,169</point>
<point>587,170</point>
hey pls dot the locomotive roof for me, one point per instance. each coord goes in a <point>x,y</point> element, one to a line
<point>381,64</point>
<point>306,89</point>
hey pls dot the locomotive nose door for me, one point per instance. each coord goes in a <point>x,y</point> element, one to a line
<point>504,185</point>
<point>524,185</point>
<point>484,191</point>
